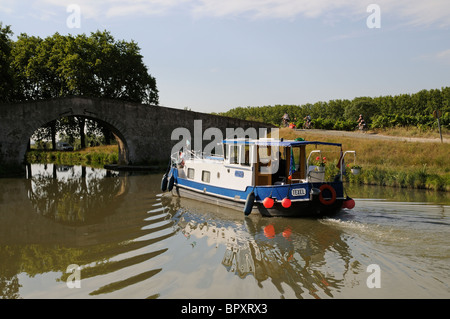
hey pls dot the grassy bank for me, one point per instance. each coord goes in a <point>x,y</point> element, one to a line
<point>389,163</point>
<point>414,132</point>
<point>92,156</point>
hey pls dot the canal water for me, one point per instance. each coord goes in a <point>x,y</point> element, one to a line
<point>73,232</point>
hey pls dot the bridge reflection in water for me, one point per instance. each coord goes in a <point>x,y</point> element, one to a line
<point>131,242</point>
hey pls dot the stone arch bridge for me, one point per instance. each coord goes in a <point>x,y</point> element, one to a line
<point>143,132</point>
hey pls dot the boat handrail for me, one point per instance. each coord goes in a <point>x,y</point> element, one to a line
<point>313,151</point>
<point>308,171</point>
<point>342,161</point>
<point>177,157</point>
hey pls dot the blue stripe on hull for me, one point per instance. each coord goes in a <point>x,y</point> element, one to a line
<point>302,204</point>
<point>295,192</point>
<point>303,208</point>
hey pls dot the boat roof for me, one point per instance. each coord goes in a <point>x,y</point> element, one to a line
<point>276,142</point>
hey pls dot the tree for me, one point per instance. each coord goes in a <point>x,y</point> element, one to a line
<point>6,75</point>
<point>361,105</point>
<point>96,66</point>
<point>93,66</point>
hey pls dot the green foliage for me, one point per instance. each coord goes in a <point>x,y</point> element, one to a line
<point>402,120</point>
<point>73,158</point>
<point>95,65</point>
<point>418,178</point>
<point>6,74</point>
<point>362,105</point>
<point>379,112</point>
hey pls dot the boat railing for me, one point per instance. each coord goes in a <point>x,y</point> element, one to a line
<point>312,175</point>
<point>314,151</point>
<point>341,162</point>
<point>179,157</point>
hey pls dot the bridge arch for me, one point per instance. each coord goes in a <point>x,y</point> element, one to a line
<point>44,117</point>
<point>121,141</point>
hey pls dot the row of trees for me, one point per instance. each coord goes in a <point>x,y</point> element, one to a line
<point>32,68</point>
<point>343,114</point>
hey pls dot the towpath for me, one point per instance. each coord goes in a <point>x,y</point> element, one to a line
<point>377,136</point>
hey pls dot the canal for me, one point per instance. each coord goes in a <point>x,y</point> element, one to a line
<point>74,232</point>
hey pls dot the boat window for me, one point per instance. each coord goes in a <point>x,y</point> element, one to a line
<point>234,154</point>
<point>206,176</point>
<point>295,153</point>
<point>264,154</point>
<point>245,155</point>
<point>191,172</point>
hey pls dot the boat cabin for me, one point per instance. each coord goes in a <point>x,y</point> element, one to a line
<point>273,161</point>
<point>254,174</point>
<point>246,162</point>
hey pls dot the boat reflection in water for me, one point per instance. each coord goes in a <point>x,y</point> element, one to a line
<point>107,224</point>
<point>267,248</point>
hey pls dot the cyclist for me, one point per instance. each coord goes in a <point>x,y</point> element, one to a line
<point>285,119</point>
<point>307,124</point>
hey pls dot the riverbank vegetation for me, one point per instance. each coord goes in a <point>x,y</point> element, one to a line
<point>405,110</point>
<point>97,156</point>
<point>388,163</point>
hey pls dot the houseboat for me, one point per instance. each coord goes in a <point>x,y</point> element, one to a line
<point>273,177</point>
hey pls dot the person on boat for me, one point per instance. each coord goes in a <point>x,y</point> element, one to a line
<point>181,157</point>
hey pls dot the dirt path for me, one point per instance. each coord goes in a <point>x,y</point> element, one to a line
<point>376,136</point>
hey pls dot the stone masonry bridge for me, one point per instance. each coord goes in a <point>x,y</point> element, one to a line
<point>143,132</point>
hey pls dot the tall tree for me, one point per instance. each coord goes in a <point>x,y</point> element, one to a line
<point>6,75</point>
<point>361,105</point>
<point>94,66</point>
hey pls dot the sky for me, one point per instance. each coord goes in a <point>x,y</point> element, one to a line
<point>215,55</point>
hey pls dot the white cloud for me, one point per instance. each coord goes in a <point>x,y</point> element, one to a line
<point>424,13</point>
<point>441,57</point>
<point>4,8</point>
<point>410,12</point>
<point>272,8</point>
<point>444,56</point>
<point>100,9</point>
